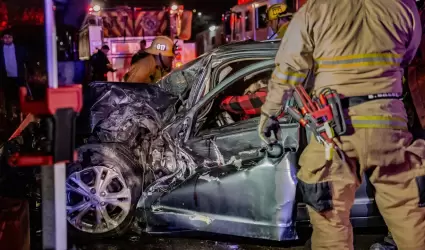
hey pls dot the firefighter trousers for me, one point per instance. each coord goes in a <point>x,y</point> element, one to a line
<point>394,164</point>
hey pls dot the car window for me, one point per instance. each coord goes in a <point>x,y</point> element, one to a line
<point>246,94</point>
<point>261,17</point>
<point>228,70</point>
<point>180,80</point>
<point>223,73</point>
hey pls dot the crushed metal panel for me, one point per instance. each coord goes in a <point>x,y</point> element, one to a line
<point>121,110</point>
<point>256,201</point>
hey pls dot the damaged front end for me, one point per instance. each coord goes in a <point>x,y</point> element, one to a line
<point>137,162</point>
<point>128,151</point>
<point>254,198</point>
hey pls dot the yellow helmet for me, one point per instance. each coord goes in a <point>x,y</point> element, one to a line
<point>276,11</point>
<point>161,45</point>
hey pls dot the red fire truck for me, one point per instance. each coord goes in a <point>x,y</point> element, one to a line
<point>122,28</point>
<point>247,20</point>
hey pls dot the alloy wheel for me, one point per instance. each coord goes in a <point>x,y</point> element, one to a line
<point>98,199</point>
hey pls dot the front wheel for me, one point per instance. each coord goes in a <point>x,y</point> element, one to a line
<point>103,188</point>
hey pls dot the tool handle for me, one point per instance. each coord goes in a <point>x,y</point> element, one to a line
<point>322,99</point>
<point>308,103</point>
<point>296,115</point>
<point>298,100</point>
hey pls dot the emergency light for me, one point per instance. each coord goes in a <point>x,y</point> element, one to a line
<point>96,8</point>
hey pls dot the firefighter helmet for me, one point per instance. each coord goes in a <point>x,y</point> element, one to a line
<point>276,11</point>
<point>161,45</point>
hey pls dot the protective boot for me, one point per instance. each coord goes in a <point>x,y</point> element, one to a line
<point>387,244</point>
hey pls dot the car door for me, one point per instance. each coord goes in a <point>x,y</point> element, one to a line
<point>235,142</point>
<point>252,198</point>
<point>226,142</point>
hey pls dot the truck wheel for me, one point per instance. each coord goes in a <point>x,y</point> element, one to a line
<point>102,188</point>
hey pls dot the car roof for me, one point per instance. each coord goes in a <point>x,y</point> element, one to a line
<point>262,49</point>
<point>247,45</point>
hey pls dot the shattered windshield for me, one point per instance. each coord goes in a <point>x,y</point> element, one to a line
<point>181,80</point>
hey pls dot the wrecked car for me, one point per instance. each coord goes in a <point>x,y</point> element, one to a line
<point>165,157</point>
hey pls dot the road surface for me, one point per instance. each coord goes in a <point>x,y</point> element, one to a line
<point>363,242</point>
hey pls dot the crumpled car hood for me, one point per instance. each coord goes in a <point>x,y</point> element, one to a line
<point>120,109</point>
<point>135,115</point>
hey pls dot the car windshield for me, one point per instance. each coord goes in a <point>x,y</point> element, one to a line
<point>180,80</point>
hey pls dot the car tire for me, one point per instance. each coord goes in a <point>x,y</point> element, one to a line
<point>113,170</point>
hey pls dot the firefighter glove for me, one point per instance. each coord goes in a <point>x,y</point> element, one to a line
<point>268,127</point>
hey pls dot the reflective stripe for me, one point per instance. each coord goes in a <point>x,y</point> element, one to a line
<point>376,59</point>
<point>293,78</point>
<point>377,122</point>
<point>329,152</point>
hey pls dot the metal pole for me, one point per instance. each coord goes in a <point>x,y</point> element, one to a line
<point>53,177</point>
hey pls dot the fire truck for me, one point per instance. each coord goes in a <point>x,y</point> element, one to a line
<point>247,20</point>
<point>122,29</point>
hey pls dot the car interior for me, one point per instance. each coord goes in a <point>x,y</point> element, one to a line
<point>216,117</point>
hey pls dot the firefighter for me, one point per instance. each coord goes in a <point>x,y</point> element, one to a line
<point>140,54</point>
<point>278,19</point>
<point>153,67</point>
<point>359,49</point>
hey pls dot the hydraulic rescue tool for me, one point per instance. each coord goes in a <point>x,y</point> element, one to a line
<point>321,114</point>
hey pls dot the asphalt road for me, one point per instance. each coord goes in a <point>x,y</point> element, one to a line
<point>362,242</point>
